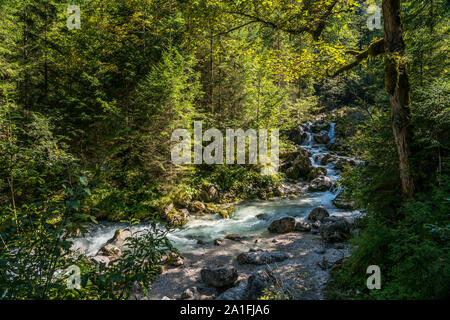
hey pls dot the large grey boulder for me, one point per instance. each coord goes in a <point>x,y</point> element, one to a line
<point>263,279</point>
<point>257,282</point>
<point>327,158</point>
<point>253,287</point>
<point>283,225</point>
<point>260,257</point>
<point>335,229</point>
<point>321,183</point>
<point>322,137</point>
<point>236,293</point>
<point>296,135</point>
<point>219,277</point>
<point>318,214</point>
<point>300,167</point>
<point>342,202</point>
<point>302,226</point>
<point>317,172</point>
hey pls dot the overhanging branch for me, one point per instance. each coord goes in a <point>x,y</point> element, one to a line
<point>374,49</point>
<point>315,29</point>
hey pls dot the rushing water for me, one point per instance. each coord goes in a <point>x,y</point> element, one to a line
<point>244,220</point>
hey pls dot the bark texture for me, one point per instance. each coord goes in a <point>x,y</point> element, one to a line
<point>397,86</point>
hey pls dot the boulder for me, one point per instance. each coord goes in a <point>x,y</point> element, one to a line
<point>236,293</point>
<point>293,154</point>
<point>189,294</point>
<point>263,279</point>
<point>110,251</point>
<point>318,157</point>
<point>327,158</point>
<point>322,137</point>
<point>209,193</point>
<point>174,217</point>
<point>302,226</point>
<point>321,183</point>
<point>303,165</point>
<point>316,224</point>
<point>342,202</point>
<point>318,214</point>
<point>219,242</point>
<point>197,206</point>
<point>339,146</point>
<point>119,237</point>
<point>317,172</point>
<point>253,287</point>
<point>219,277</point>
<point>296,135</point>
<point>300,166</point>
<point>335,229</point>
<point>257,282</point>
<point>320,250</point>
<point>319,127</point>
<point>168,209</point>
<point>344,163</point>
<point>292,173</point>
<point>262,216</point>
<point>260,257</point>
<point>283,225</point>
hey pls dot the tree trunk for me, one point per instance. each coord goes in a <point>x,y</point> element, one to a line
<point>397,86</point>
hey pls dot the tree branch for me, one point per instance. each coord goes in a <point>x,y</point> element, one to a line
<point>374,49</point>
<point>323,20</point>
<point>235,28</point>
<point>314,28</point>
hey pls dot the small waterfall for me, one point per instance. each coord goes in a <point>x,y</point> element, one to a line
<point>331,134</point>
<point>308,140</point>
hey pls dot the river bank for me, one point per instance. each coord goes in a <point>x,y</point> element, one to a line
<point>305,272</point>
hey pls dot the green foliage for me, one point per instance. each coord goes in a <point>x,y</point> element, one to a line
<point>240,182</point>
<point>413,253</point>
<point>36,250</point>
<point>137,267</point>
<point>375,185</point>
<point>409,241</point>
<point>274,293</point>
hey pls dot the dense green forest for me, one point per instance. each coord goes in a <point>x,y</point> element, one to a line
<point>87,113</point>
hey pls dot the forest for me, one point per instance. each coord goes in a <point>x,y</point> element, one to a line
<point>93,207</point>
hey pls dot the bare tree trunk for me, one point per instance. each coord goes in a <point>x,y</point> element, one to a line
<point>397,86</point>
<point>211,71</point>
